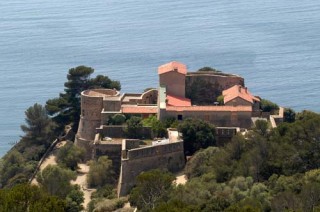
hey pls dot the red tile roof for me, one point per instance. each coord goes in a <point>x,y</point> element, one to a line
<point>136,109</point>
<point>177,101</point>
<point>238,91</point>
<point>173,66</point>
<point>211,108</point>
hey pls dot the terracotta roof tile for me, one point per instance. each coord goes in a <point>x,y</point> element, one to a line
<point>177,101</point>
<point>211,108</point>
<point>135,109</point>
<point>180,67</point>
<point>238,91</point>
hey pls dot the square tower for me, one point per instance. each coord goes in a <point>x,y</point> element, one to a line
<point>172,76</point>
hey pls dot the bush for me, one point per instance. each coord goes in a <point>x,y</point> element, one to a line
<point>106,191</point>
<point>56,180</point>
<point>151,188</point>
<point>101,172</point>
<point>157,127</point>
<point>289,115</point>
<point>117,119</point>
<point>206,68</point>
<point>106,205</point>
<point>134,126</point>
<point>196,134</point>
<point>268,106</point>
<point>70,155</point>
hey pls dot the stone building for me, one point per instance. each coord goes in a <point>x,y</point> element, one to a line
<point>170,100</point>
<point>173,102</point>
<point>173,98</point>
<point>163,154</point>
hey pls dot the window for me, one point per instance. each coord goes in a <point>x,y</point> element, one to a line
<point>180,117</point>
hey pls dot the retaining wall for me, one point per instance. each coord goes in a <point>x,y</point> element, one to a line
<point>168,156</point>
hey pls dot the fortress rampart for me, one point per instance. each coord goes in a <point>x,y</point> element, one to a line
<point>203,88</point>
<point>169,156</point>
<point>110,148</point>
<point>116,131</point>
<point>90,118</point>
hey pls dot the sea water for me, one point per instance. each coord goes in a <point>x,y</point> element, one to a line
<point>274,45</point>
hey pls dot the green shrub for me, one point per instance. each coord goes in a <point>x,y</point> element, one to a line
<point>268,106</point>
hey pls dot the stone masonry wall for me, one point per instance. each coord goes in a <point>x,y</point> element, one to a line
<point>218,118</point>
<point>168,156</point>
<point>204,88</point>
<point>174,83</point>
<point>114,131</point>
<point>112,150</point>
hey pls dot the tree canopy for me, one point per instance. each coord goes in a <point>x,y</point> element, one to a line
<point>20,162</point>
<point>197,134</point>
<point>134,125</point>
<point>38,127</point>
<point>70,155</point>
<point>151,188</point>
<point>274,170</point>
<point>268,106</point>
<point>206,68</point>
<point>66,108</point>
<point>101,172</point>
<point>27,197</point>
<point>56,180</point>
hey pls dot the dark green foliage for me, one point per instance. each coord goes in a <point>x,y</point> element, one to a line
<point>20,162</point>
<point>106,205</point>
<point>289,115</point>
<point>202,92</point>
<point>220,100</point>
<point>261,127</point>
<point>74,200</point>
<point>101,172</point>
<point>12,165</point>
<point>200,163</point>
<point>101,81</point>
<point>39,127</point>
<point>268,106</point>
<point>158,129</point>
<point>277,171</point>
<point>152,188</point>
<point>170,122</point>
<point>196,134</point>
<point>134,125</point>
<point>209,69</point>
<point>70,155</point>
<point>56,180</point>
<point>98,199</point>
<point>106,191</point>
<point>117,119</point>
<point>66,108</point>
<point>24,197</point>
<point>175,206</point>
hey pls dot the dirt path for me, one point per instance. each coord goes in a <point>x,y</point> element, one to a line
<point>81,173</point>
<point>50,160</point>
<point>181,179</point>
<point>82,182</point>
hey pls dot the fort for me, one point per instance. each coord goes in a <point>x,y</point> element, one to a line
<point>180,94</point>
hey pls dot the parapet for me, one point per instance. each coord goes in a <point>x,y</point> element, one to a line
<point>100,93</point>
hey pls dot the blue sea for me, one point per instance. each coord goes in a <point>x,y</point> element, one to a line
<point>274,45</point>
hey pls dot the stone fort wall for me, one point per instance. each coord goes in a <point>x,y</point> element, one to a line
<point>110,149</point>
<point>116,131</point>
<point>90,118</point>
<point>168,156</point>
<point>214,84</point>
<point>240,119</point>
